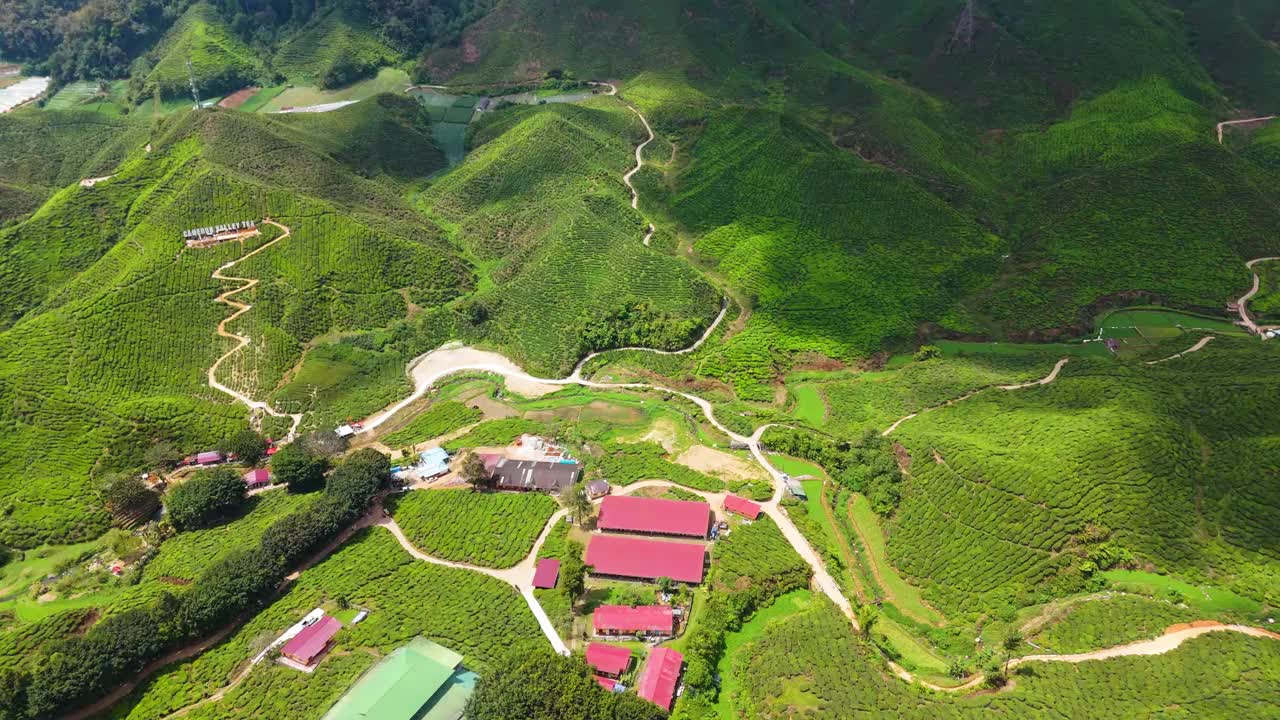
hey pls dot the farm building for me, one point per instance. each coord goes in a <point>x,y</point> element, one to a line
<point>311,643</point>
<point>661,677</point>
<point>257,478</point>
<point>547,573</point>
<point>655,516</point>
<point>607,683</point>
<point>344,431</point>
<point>597,489</point>
<point>529,475</point>
<point>741,506</point>
<point>418,681</point>
<point>608,660</point>
<point>432,463</point>
<point>640,559</point>
<point>211,457</point>
<point>634,620</point>
<point>794,487</point>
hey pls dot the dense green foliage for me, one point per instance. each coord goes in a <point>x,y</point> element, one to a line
<point>1095,623</point>
<point>294,465</point>
<point>206,498</point>
<point>75,670</point>
<point>489,529</point>
<point>439,419</point>
<point>547,686</point>
<point>866,465</point>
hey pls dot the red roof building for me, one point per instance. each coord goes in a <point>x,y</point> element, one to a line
<point>637,620</point>
<point>657,516</point>
<point>741,506</point>
<point>660,678</point>
<point>606,683</point>
<point>547,574</point>
<point>608,660</point>
<point>260,477</point>
<point>314,639</point>
<point>210,457</point>
<point>628,557</point>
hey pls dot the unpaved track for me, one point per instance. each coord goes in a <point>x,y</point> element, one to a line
<point>1243,303</point>
<point>1194,348</point>
<point>242,340</point>
<point>1053,375</point>
<point>1222,125</point>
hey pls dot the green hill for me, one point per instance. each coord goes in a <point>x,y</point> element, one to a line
<point>78,403</point>
<point>332,50</point>
<point>220,61</point>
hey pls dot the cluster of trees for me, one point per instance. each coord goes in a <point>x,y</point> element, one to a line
<point>298,467</point>
<point>208,498</point>
<point>865,465</point>
<point>635,323</point>
<point>542,685</point>
<point>77,670</point>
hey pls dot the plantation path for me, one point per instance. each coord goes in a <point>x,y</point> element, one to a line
<point>1053,375</point>
<point>1243,303</point>
<point>626,179</point>
<point>1194,348</point>
<point>1222,125</point>
<point>519,576</point>
<point>243,340</point>
<point>1170,640</point>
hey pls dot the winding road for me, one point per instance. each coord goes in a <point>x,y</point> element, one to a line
<point>1226,123</point>
<point>1053,375</point>
<point>243,340</point>
<point>1242,305</point>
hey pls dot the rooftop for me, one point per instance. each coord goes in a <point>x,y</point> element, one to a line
<point>655,515</point>
<point>742,506</point>
<point>399,686</point>
<point>647,559</point>
<point>661,674</point>
<point>628,619</point>
<point>535,474</point>
<point>547,573</point>
<point>312,641</point>
<point>611,659</point>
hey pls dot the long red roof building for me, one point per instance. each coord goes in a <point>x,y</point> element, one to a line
<point>622,619</point>
<point>657,516</point>
<point>660,677</point>
<point>629,557</point>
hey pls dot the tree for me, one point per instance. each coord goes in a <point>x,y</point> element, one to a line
<point>298,468</point>
<point>576,501</point>
<point>247,445</point>
<point>126,496</point>
<point>928,352</point>
<point>665,584</point>
<point>1011,643</point>
<point>205,499</point>
<point>573,572</point>
<point>474,472</point>
<point>868,615</point>
<point>162,455</point>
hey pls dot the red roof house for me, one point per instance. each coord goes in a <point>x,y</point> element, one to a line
<point>657,516</point>
<point>608,660</point>
<point>629,557</point>
<point>307,645</point>
<point>627,620</point>
<point>211,457</point>
<point>741,506</point>
<point>259,477</point>
<point>660,677</point>
<point>547,574</point>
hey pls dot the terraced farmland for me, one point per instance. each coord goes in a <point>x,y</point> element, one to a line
<point>489,529</point>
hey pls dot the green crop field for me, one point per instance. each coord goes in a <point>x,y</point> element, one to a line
<point>811,662</point>
<point>185,556</point>
<point>335,50</point>
<point>220,61</point>
<point>474,615</point>
<point>489,529</point>
<point>1098,622</point>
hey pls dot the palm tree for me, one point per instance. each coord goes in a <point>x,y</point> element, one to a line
<point>575,500</point>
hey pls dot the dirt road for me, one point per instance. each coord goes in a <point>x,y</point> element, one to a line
<point>1222,125</point>
<point>1242,305</point>
<point>242,340</point>
<point>1053,375</point>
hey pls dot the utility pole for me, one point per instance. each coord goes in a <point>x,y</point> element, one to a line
<point>195,93</point>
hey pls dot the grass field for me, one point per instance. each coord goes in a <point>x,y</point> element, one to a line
<point>1203,597</point>
<point>750,631</point>
<point>810,406</point>
<point>387,80</point>
<point>906,597</point>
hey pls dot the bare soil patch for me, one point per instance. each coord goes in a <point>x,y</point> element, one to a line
<point>719,463</point>
<point>238,98</point>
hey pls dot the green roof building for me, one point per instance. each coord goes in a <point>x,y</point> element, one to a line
<point>418,681</point>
